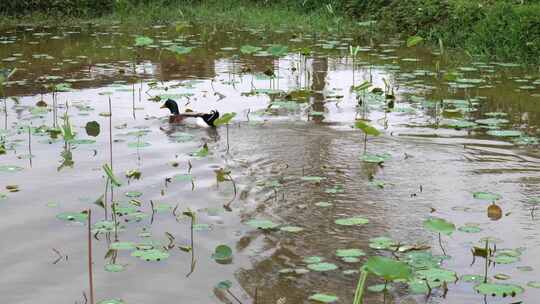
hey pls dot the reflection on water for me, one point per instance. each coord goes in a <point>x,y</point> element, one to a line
<point>435,163</point>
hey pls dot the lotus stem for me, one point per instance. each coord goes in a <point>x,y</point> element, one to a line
<point>227,125</point>
<point>90,262</point>
<point>440,244</point>
<point>360,288</point>
<point>365,143</point>
<point>30,144</point>
<point>192,247</point>
<point>487,261</point>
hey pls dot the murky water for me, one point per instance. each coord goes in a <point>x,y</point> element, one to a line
<point>435,163</point>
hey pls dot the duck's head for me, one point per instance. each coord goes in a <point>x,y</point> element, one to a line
<point>172,106</point>
<point>210,117</point>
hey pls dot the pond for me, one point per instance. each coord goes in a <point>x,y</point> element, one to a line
<point>285,202</point>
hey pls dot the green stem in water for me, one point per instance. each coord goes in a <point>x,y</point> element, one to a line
<point>360,287</point>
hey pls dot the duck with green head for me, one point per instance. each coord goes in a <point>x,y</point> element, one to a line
<point>177,117</point>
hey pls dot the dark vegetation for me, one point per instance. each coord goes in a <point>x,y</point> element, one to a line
<point>501,29</point>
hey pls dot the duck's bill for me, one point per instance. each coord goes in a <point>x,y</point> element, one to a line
<point>162,107</point>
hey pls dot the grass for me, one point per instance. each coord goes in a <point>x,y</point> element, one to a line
<point>495,29</point>
<point>217,13</point>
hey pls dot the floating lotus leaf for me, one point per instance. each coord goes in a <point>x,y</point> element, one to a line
<point>374,158</point>
<point>525,268</point>
<point>92,128</point>
<point>180,50</point>
<point>388,269</point>
<point>313,259</point>
<point>350,259</point>
<point>505,259</point>
<point>151,255</point>
<point>350,272</point>
<point>324,298</point>
<point>277,50</point>
<point>526,140</point>
<point>439,225</point>
<point>323,204</point>
<point>143,41</point>
<point>498,290</point>
<point>460,124</point>
<point>262,224</point>
<point>122,246</point>
<point>335,189</point>
<point>470,229</point>
<point>249,49</point>
<point>418,286</point>
<point>534,284</point>
<point>133,194</point>
<point>382,243</point>
<point>114,267</point>
<point>504,133</point>
<point>9,168</point>
<point>162,207</point>
<point>423,260</point>
<point>125,210</point>
<point>353,252</point>
<point>111,301</point>
<point>502,276</point>
<point>291,229</point>
<point>224,285</point>
<point>183,177</point>
<point>377,288</point>
<point>201,227</point>
<point>322,266</point>
<point>352,221</point>
<point>222,253</point>
<point>82,141</point>
<point>81,217</point>
<point>437,275</point>
<point>472,278</point>
<point>103,227</point>
<point>313,178</point>
<point>492,121</point>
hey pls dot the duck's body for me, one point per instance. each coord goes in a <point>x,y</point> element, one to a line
<point>178,118</point>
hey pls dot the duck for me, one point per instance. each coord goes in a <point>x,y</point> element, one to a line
<point>177,118</point>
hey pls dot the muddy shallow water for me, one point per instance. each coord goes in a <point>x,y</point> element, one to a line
<point>279,135</point>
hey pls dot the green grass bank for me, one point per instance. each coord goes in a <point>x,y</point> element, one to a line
<point>499,29</point>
